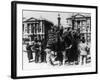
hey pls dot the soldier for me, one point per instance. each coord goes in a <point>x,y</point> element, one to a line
<point>36,52</point>
<point>29,52</point>
<point>43,53</point>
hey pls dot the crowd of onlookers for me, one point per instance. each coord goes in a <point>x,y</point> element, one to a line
<point>69,48</point>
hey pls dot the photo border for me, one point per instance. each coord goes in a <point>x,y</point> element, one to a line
<point>14,38</point>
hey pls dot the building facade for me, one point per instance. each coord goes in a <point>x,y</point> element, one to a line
<point>36,29</point>
<point>82,24</point>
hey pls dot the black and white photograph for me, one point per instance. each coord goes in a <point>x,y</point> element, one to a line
<point>56,39</point>
<point>53,39</point>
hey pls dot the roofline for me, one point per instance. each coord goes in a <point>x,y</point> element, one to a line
<point>77,17</point>
<point>38,20</point>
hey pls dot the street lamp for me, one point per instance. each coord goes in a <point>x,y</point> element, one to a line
<point>59,18</point>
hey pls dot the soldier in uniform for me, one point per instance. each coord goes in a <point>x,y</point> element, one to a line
<point>29,52</point>
<point>36,51</point>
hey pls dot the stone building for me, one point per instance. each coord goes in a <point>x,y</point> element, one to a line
<point>81,23</point>
<point>36,29</point>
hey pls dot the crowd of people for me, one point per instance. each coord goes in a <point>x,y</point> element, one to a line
<point>68,48</point>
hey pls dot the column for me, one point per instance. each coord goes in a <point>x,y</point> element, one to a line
<point>27,28</point>
<point>23,28</point>
<point>41,26</point>
<point>30,28</point>
<point>86,30</point>
<point>34,27</point>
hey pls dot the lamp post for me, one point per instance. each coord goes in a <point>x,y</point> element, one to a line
<point>73,22</point>
<point>59,18</point>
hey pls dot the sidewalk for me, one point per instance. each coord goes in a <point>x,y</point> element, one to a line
<point>33,65</point>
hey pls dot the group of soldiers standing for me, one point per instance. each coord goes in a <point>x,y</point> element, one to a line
<point>68,48</point>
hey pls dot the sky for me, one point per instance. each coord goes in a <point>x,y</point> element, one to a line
<point>49,15</point>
